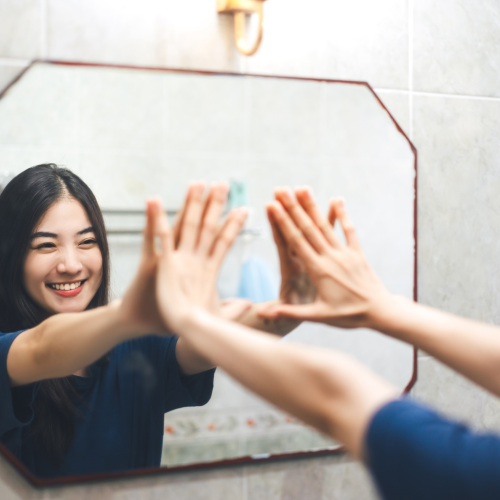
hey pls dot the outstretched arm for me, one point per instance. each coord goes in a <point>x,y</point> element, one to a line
<point>351,295</point>
<point>66,343</point>
<point>325,389</point>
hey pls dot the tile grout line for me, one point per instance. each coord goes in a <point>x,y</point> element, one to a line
<point>435,94</point>
<point>6,61</point>
<point>43,29</point>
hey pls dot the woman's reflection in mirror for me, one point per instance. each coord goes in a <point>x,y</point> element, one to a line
<point>83,385</point>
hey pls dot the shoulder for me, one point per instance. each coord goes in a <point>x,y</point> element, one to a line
<point>6,339</point>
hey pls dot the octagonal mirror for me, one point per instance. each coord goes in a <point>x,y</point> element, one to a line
<point>130,133</point>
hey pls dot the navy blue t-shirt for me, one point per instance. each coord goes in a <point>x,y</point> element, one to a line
<point>415,454</point>
<point>122,409</point>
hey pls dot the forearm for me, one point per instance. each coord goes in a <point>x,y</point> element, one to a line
<point>323,388</point>
<point>277,326</point>
<point>190,360</point>
<point>469,347</point>
<point>65,343</point>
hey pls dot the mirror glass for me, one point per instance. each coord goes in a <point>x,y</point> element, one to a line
<point>133,133</point>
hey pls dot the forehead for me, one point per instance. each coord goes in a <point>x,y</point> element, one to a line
<point>66,215</point>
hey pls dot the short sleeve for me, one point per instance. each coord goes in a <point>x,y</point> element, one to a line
<point>415,454</point>
<point>182,391</point>
<point>154,357</point>
<point>16,402</point>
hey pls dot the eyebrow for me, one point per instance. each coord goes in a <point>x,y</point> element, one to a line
<point>44,234</point>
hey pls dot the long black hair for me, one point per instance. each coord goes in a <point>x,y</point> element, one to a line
<point>23,202</point>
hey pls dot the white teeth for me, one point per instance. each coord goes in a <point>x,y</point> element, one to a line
<point>65,286</point>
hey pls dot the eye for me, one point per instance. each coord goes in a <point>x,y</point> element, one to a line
<point>88,242</point>
<point>45,245</point>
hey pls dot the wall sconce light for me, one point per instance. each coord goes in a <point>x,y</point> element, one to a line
<point>240,9</point>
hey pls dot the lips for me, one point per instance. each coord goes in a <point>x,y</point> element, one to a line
<point>67,289</point>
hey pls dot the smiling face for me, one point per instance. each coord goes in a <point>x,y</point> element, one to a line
<point>63,266</point>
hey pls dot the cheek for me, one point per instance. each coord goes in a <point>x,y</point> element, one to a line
<point>94,263</point>
<point>35,270</point>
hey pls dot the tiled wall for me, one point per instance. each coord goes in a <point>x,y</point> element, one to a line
<point>437,67</point>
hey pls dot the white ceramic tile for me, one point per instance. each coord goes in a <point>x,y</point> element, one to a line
<point>202,485</point>
<point>152,32</point>
<point>336,477</point>
<point>399,107</point>
<point>459,182</point>
<point>456,397</point>
<point>199,38</point>
<point>20,28</point>
<point>8,73</point>
<point>457,47</point>
<point>357,40</point>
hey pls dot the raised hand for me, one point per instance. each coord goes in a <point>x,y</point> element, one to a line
<point>138,306</point>
<point>296,286</point>
<point>192,255</point>
<point>348,290</point>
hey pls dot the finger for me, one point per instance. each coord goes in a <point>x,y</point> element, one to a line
<point>179,219</point>
<point>214,208</point>
<point>281,244</point>
<point>148,243</point>
<point>302,220</point>
<point>310,312</point>
<point>230,230</point>
<point>191,221</point>
<point>162,230</point>
<point>293,236</point>
<point>305,199</point>
<point>332,211</point>
<point>233,309</point>
<point>348,227</point>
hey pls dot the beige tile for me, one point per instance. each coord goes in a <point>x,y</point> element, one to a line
<point>459,182</point>
<point>20,29</point>
<point>333,40</point>
<point>455,396</point>
<point>457,47</point>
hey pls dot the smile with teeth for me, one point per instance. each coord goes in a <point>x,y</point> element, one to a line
<point>65,286</point>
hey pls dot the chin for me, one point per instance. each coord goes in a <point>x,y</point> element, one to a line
<point>71,306</point>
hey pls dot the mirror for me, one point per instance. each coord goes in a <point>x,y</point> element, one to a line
<point>132,133</point>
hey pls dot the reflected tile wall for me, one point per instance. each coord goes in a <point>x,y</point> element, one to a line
<point>8,72</point>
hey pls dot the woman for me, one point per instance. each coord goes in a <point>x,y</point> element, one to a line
<point>62,412</point>
<point>412,452</point>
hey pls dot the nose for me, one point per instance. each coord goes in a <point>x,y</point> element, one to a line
<point>69,263</point>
